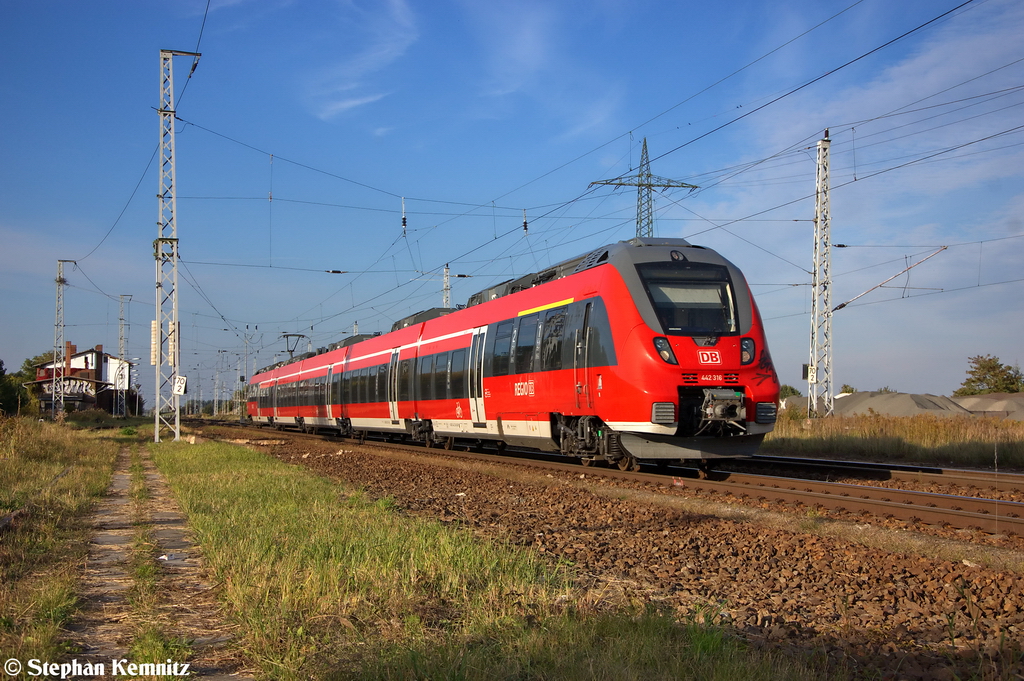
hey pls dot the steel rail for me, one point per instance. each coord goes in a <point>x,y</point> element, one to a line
<point>1004,482</point>
<point>989,515</point>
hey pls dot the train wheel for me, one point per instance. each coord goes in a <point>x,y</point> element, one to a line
<point>628,463</point>
<point>449,443</point>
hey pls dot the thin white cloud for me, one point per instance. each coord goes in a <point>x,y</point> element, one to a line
<point>383,33</point>
<point>333,108</point>
<point>524,59</point>
<point>516,39</point>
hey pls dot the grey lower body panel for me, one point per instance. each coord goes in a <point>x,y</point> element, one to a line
<point>651,446</point>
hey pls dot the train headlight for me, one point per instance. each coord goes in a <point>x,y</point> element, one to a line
<point>665,350</point>
<point>747,350</point>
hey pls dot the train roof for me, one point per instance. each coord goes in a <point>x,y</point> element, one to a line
<point>572,266</point>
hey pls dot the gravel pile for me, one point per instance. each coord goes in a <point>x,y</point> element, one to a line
<point>878,614</point>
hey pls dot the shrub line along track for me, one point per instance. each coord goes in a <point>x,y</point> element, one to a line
<point>960,512</point>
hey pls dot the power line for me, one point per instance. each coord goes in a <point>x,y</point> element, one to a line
<point>815,80</point>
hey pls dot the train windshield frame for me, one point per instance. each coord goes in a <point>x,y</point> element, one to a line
<point>691,298</point>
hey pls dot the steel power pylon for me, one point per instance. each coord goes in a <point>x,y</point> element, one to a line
<point>60,359</point>
<point>820,392</point>
<point>166,350</point>
<point>645,182</point>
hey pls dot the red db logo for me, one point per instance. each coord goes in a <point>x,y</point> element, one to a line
<point>709,357</point>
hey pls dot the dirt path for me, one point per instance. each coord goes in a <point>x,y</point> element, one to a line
<point>185,607</point>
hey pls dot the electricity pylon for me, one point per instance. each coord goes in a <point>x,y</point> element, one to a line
<point>645,182</point>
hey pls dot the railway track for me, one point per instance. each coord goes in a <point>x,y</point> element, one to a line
<point>993,516</point>
<point>900,473</point>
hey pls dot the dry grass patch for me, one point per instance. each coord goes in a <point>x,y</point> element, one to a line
<point>951,441</point>
<point>49,479</point>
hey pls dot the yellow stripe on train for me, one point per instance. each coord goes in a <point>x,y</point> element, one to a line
<point>546,307</point>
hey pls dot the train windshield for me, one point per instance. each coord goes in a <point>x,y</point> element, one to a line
<point>690,298</point>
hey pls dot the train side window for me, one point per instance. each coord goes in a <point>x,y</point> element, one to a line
<point>406,369</point>
<point>526,342</point>
<point>371,384</point>
<point>602,347</point>
<point>551,345</point>
<point>440,375</point>
<point>502,349</point>
<point>457,376</point>
<point>379,390</point>
<point>426,367</point>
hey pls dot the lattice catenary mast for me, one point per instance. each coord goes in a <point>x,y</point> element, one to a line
<point>60,359</point>
<point>645,182</point>
<point>165,349</point>
<point>820,393</point>
<point>121,379</point>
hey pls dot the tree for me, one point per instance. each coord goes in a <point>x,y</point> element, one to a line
<point>28,367</point>
<point>847,388</point>
<point>9,389</point>
<point>986,374</point>
<point>788,391</point>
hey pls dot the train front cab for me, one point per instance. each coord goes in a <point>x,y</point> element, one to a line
<point>699,358</point>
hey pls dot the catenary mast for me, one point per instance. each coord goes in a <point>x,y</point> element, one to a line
<point>166,346</point>
<point>820,392</point>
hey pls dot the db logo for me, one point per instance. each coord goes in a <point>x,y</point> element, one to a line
<point>709,357</point>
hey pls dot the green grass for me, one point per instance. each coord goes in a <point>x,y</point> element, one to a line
<point>150,642</point>
<point>53,476</point>
<point>952,441</point>
<point>327,583</point>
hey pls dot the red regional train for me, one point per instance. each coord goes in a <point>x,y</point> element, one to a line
<point>649,349</point>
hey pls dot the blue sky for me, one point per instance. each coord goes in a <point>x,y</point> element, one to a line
<point>306,123</point>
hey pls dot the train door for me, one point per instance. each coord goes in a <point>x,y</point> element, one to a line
<point>334,409</point>
<point>476,375</point>
<point>393,387</point>
<point>273,401</point>
<point>581,362</point>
